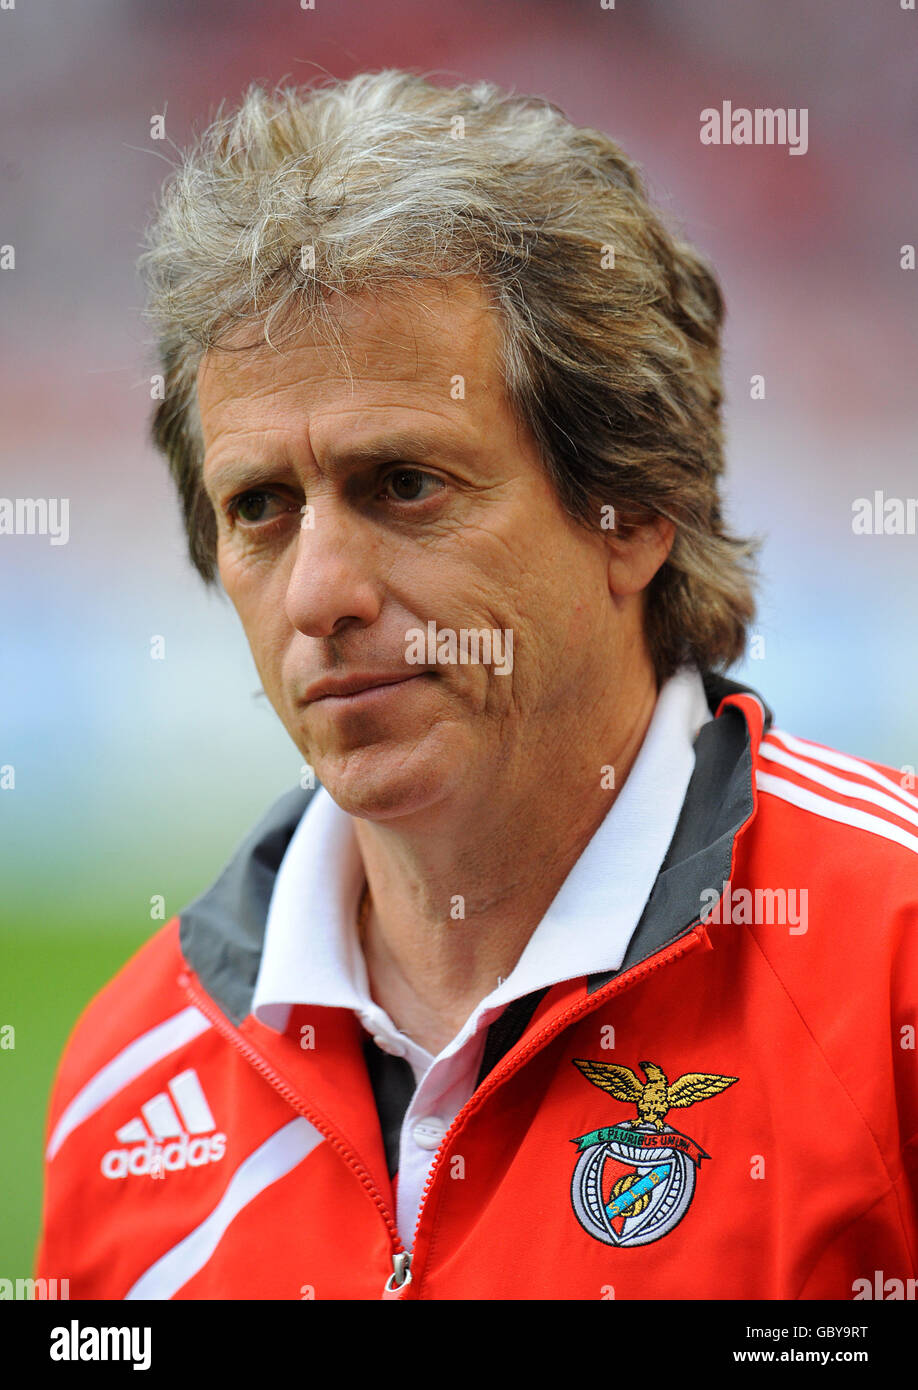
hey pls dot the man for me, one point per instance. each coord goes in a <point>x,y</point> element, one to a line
<point>442,404</point>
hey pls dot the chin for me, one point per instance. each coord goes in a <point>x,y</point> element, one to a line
<point>380,783</point>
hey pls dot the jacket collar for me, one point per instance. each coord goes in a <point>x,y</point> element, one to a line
<point>222,931</point>
<point>718,803</point>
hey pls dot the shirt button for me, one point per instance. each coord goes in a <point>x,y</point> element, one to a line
<point>395,1049</point>
<point>428,1133</point>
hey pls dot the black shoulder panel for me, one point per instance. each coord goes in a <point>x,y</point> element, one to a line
<point>222,931</point>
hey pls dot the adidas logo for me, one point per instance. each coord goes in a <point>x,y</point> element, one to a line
<point>182,1119</point>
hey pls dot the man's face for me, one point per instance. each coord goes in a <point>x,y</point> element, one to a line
<point>425,501</point>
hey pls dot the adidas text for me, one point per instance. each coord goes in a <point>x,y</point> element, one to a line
<point>151,1158</point>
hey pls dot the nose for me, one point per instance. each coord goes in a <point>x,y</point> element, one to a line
<point>332,582</point>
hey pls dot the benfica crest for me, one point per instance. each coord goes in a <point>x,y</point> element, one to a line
<point>634,1180</point>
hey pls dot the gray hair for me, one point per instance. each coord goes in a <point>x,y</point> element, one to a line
<point>609,323</point>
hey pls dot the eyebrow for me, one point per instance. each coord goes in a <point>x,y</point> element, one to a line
<point>391,447</point>
<point>235,474</point>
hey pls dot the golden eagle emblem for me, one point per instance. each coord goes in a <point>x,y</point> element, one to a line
<point>654,1097</point>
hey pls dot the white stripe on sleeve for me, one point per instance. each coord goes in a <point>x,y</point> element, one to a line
<point>833,810</point>
<point>856,790</point>
<point>844,762</point>
<point>143,1053</point>
<point>273,1160</point>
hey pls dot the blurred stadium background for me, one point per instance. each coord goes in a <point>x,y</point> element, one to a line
<point>135,777</point>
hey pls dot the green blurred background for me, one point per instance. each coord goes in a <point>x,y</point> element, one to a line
<point>48,978</point>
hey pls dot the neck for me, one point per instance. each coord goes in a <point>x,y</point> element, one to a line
<point>454,902</point>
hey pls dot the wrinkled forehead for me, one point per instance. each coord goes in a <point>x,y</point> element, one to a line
<point>422,330</point>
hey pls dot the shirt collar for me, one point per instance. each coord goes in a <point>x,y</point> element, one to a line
<point>311,954</point>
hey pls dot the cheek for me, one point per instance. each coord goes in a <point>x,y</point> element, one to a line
<point>562,619</point>
<point>259,603</point>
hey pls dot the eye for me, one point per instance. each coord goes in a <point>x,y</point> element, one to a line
<point>408,485</point>
<point>255,507</point>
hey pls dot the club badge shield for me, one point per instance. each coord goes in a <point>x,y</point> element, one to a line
<point>634,1180</point>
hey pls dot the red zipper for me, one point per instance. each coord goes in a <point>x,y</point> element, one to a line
<point>226,1029</point>
<point>502,1071</point>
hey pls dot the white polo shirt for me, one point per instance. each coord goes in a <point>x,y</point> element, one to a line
<point>312,955</point>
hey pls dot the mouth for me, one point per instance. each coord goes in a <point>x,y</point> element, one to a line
<point>358,689</point>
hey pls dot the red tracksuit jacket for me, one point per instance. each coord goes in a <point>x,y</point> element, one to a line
<point>731,1114</point>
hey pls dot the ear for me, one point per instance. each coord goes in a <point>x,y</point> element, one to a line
<point>635,553</point>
